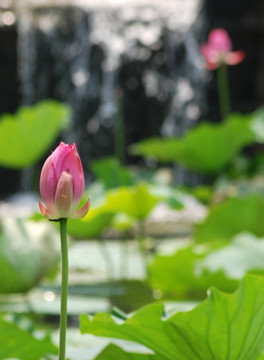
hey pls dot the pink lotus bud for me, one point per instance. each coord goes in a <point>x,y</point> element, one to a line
<point>62,184</point>
<point>218,50</point>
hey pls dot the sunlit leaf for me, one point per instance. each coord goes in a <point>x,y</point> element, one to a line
<point>27,135</point>
<point>136,201</point>
<point>261,357</point>
<point>19,344</point>
<point>225,326</point>
<point>207,148</point>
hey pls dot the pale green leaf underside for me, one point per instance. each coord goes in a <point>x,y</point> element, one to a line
<point>244,253</point>
<point>26,255</point>
<point>223,327</point>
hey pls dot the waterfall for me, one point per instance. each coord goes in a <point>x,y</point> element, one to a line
<point>139,58</point>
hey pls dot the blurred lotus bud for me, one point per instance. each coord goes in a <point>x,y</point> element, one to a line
<point>218,50</point>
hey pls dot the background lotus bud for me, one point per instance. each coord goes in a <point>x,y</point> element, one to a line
<point>62,184</point>
<point>218,50</point>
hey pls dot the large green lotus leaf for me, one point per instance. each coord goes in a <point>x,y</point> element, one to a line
<point>231,217</point>
<point>113,352</point>
<point>224,326</point>
<point>145,327</point>
<point>178,276</point>
<point>229,326</point>
<point>111,173</point>
<point>136,201</point>
<point>27,135</point>
<point>245,253</point>
<point>19,344</point>
<point>206,148</point>
<point>28,252</point>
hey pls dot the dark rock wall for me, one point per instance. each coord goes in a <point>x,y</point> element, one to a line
<point>9,95</point>
<point>9,83</point>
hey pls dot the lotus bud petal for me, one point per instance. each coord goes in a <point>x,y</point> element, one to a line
<point>62,184</point>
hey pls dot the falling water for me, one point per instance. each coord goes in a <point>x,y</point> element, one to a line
<point>138,58</point>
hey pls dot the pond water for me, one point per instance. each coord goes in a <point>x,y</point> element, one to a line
<point>104,274</point>
<point>93,287</point>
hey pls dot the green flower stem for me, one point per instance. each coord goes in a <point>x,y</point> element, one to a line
<point>64,288</point>
<point>223,90</point>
